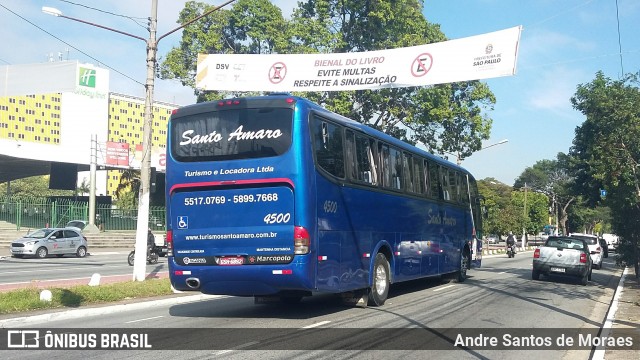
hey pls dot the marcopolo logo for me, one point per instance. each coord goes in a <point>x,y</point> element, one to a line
<point>87,77</point>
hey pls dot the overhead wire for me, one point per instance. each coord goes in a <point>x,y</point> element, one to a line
<point>132,18</point>
<point>75,48</point>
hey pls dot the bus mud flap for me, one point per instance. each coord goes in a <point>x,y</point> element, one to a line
<point>358,298</point>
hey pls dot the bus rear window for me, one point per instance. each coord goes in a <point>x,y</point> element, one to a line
<point>231,134</point>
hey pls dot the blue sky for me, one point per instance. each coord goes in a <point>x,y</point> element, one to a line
<point>563,44</point>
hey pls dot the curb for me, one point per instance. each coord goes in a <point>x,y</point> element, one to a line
<point>79,313</point>
<point>106,279</point>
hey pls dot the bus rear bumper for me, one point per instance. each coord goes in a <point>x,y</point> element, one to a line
<point>252,280</point>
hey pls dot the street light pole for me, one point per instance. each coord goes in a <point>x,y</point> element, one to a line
<point>498,143</point>
<point>142,226</point>
<point>525,218</point>
<point>139,265</point>
<point>459,158</point>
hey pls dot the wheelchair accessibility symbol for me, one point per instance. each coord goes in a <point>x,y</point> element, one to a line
<point>183,222</point>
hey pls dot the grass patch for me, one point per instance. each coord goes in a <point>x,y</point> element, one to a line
<point>76,296</point>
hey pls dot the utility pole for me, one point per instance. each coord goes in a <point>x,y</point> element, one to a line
<point>139,264</point>
<point>142,227</point>
<point>91,227</point>
<point>524,225</point>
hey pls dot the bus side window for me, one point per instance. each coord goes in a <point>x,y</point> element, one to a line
<point>418,175</point>
<point>408,172</point>
<point>385,167</point>
<point>372,155</point>
<point>434,182</point>
<point>350,150</point>
<point>329,147</point>
<point>365,158</point>
<point>454,182</point>
<point>446,187</point>
<point>396,169</point>
<point>464,187</point>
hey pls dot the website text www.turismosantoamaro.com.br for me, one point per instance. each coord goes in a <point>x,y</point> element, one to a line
<point>231,236</point>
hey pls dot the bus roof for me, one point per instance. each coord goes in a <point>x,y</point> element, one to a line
<point>276,98</point>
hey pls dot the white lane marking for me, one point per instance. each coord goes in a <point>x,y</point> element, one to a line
<point>316,324</point>
<point>236,348</point>
<point>72,279</point>
<point>611,316</point>
<point>442,288</point>
<point>504,272</point>
<point>151,318</point>
<point>66,269</point>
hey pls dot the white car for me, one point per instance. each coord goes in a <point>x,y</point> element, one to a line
<point>612,241</point>
<point>594,248</point>
<point>50,241</point>
<point>492,239</point>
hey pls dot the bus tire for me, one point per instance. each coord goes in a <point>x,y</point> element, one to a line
<point>461,275</point>
<point>381,282</point>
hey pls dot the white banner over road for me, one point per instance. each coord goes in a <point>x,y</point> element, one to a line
<point>472,58</point>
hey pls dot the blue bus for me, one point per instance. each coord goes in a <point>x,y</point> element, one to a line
<point>278,198</point>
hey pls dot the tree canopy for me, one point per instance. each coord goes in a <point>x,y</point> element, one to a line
<point>606,149</point>
<point>444,118</point>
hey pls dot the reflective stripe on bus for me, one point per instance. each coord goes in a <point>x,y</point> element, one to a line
<point>282,272</point>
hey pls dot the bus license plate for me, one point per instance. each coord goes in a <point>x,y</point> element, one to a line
<point>556,269</point>
<point>230,261</point>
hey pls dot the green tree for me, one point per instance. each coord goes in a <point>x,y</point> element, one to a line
<point>34,186</point>
<point>501,215</point>
<point>606,148</point>
<point>552,178</point>
<point>84,188</point>
<point>128,189</point>
<point>534,208</point>
<point>249,27</point>
<point>589,220</point>
<point>444,118</point>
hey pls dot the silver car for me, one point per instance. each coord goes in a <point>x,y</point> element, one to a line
<point>50,241</point>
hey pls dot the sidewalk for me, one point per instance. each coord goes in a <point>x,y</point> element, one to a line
<point>627,316</point>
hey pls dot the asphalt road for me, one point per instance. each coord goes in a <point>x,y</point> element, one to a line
<point>499,296</point>
<point>18,272</point>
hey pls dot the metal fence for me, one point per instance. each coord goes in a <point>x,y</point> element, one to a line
<point>37,212</point>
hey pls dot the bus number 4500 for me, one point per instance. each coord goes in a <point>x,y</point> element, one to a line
<point>277,218</point>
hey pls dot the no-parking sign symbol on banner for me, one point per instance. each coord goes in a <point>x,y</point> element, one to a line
<point>421,65</point>
<point>277,72</point>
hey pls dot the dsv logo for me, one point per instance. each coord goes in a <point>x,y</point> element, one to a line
<point>188,260</point>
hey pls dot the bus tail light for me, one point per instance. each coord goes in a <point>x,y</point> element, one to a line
<point>583,258</point>
<point>169,242</point>
<point>536,254</point>
<point>301,240</point>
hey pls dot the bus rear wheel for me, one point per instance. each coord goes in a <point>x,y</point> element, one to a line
<point>381,282</point>
<point>464,265</point>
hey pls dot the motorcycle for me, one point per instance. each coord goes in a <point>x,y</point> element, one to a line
<point>152,255</point>
<point>511,251</point>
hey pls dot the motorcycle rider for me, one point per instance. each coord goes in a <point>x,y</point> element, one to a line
<point>511,241</point>
<point>151,242</point>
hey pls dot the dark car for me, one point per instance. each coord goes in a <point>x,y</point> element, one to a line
<point>604,246</point>
<point>79,224</point>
